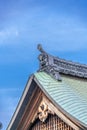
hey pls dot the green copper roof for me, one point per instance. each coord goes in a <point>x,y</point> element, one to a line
<point>70,94</point>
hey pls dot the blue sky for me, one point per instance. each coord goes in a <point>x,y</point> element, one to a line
<point>61,27</point>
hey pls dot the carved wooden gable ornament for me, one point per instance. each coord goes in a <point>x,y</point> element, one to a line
<point>43,111</point>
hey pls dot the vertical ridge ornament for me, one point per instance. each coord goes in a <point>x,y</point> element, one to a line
<point>47,64</point>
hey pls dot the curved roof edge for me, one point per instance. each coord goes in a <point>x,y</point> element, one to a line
<point>20,107</point>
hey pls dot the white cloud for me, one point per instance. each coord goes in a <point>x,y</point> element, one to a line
<point>8,33</point>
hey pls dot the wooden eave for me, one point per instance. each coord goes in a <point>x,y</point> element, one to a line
<point>22,104</point>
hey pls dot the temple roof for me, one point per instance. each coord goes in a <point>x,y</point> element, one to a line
<point>63,82</point>
<point>70,94</point>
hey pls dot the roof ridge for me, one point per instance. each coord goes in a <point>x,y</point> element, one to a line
<point>55,65</point>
